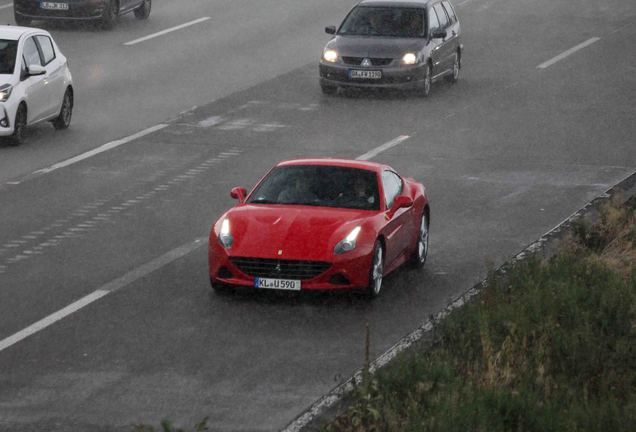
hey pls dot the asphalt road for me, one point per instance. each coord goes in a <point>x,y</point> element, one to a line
<point>506,154</point>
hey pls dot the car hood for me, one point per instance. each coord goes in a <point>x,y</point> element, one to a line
<point>359,46</point>
<point>289,231</point>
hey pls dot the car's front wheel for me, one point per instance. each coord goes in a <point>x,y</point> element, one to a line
<point>19,126</point>
<point>143,11</point>
<point>418,259</point>
<point>376,272</point>
<point>425,90</point>
<point>328,90</point>
<point>63,120</point>
<point>454,76</point>
<point>109,16</point>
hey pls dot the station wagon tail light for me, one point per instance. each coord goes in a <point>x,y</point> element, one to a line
<point>348,243</point>
<point>409,59</point>
<point>5,92</point>
<point>225,236</point>
<point>330,55</point>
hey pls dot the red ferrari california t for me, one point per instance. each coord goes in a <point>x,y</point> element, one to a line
<point>320,224</point>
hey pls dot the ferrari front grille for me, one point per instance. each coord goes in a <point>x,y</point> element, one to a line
<point>280,269</point>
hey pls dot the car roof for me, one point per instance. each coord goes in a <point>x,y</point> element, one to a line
<point>348,163</point>
<point>396,3</point>
<point>16,32</point>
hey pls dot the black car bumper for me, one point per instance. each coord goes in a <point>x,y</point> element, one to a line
<point>394,77</point>
<point>77,10</point>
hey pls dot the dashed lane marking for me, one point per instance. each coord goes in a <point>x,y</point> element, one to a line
<point>567,53</point>
<point>384,147</point>
<point>168,30</point>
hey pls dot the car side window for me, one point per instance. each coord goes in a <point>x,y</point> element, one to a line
<point>30,53</point>
<point>441,14</point>
<point>433,22</point>
<point>450,11</point>
<point>392,185</point>
<point>48,53</point>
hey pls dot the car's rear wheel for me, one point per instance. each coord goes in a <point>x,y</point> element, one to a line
<point>418,259</point>
<point>143,11</point>
<point>63,120</point>
<point>376,271</point>
<point>454,76</point>
<point>328,90</point>
<point>19,126</point>
<point>21,20</point>
<point>109,16</point>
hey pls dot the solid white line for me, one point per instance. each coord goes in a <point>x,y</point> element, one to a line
<point>106,289</point>
<point>384,147</point>
<point>100,149</point>
<point>564,54</point>
<point>6,6</point>
<point>163,32</point>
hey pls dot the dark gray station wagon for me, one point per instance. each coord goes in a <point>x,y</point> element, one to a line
<point>104,12</point>
<point>403,44</point>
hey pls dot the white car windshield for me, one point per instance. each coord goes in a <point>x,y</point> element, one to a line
<point>8,51</point>
<point>384,21</point>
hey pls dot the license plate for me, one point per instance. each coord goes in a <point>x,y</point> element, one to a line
<point>280,284</point>
<point>365,74</point>
<point>54,6</point>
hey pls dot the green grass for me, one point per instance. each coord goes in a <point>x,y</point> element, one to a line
<point>550,347</point>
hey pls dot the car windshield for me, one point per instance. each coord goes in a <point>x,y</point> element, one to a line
<point>8,51</point>
<point>384,21</point>
<point>319,185</point>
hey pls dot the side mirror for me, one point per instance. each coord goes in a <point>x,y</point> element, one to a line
<point>401,201</point>
<point>239,193</point>
<point>36,70</point>
<point>330,29</point>
<point>439,34</point>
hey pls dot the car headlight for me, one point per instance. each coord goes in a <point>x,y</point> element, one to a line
<point>330,55</point>
<point>348,243</point>
<point>5,92</point>
<point>409,59</point>
<point>225,236</point>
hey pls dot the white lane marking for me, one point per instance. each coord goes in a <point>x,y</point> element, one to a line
<point>163,32</point>
<point>210,121</point>
<point>101,149</point>
<point>566,53</point>
<point>384,147</point>
<point>106,289</point>
<point>6,6</point>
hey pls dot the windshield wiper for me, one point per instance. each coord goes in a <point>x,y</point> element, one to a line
<point>263,201</point>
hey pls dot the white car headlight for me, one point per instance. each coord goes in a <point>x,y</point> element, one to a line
<point>225,236</point>
<point>409,59</point>
<point>330,55</point>
<point>5,92</point>
<point>348,243</point>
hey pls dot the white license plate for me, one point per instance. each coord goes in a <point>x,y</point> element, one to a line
<point>280,284</point>
<point>365,74</point>
<point>54,6</point>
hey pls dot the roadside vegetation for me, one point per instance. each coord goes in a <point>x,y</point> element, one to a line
<point>550,346</point>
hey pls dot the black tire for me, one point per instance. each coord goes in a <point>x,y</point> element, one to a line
<point>376,271</point>
<point>454,76</point>
<point>109,16</point>
<point>63,120</point>
<point>328,90</point>
<point>19,126</point>
<point>143,11</point>
<point>427,83</point>
<point>219,289</point>
<point>418,259</point>
<point>21,20</point>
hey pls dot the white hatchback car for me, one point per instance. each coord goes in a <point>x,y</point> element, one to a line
<point>35,82</point>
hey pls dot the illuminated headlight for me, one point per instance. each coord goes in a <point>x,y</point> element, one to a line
<point>409,59</point>
<point>225,237</point>
<point>5,92</point>
<point>348,243</point>
<point>330,55</point>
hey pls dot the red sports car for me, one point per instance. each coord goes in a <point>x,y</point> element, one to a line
<point>320,224</point>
